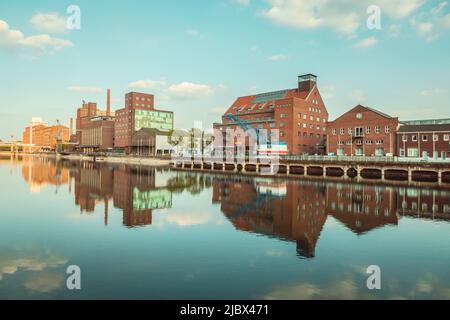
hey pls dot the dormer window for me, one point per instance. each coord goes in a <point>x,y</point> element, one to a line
<point>359,116</point>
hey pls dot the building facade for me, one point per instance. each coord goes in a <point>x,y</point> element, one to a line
<point>139,113</point>
<point>426,138</point>
<point>294,121</point>
<point>94,127</point>
<point>362,131</point>
<point>43,137</point>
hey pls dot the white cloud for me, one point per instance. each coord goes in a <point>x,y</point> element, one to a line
<point>84,89</point>
<point>342,16</point>
<point>49,23</point>
<point>44,41</point>
<point>432,92</point>
<point>193,32</point>
<point>10,38</point>
<point>146,84</point>
<point>430,24</point>
<point>367,42</point>
<point>188,90</point>
<point>358,96</point>
<point>278,57</point>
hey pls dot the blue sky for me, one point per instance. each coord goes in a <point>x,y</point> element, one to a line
<point>198,56</point>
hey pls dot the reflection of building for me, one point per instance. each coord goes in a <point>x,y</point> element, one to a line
<point>298,211</point>
<point>93,185</point>
<point>424,203</point>
<point>287,211</point>
<point>362,208</point>
<point>138,114</point>
<point>40,172</point>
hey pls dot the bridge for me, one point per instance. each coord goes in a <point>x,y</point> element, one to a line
<point>384,169</point>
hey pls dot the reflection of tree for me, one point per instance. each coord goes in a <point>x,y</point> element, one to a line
<point>192,183</point>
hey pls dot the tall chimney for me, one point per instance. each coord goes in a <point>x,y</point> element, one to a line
<point>71,127</point>
<point>108,103</point>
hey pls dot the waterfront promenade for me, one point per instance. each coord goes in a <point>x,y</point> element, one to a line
<point>379,169</point>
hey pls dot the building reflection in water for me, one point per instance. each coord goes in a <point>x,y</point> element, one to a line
<point>291,210</point>
<point>297,210</point>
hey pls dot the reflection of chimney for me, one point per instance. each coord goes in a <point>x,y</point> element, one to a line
<point>71,126</point>
<point>108,103</point>
<point>106,212</point>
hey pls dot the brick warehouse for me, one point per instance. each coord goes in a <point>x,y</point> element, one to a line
<point>139,113</point>
<point>95,127</point>
<point>424,138</point>
<point>362,131</point>
<point>299,115</point>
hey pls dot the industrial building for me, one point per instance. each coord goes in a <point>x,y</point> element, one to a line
<point>290,121</point>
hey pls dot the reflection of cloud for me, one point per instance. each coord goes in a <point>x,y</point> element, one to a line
<point>344,289</point>
<point>188,219</point>
<point>10,265</point>
<point>45,282</point>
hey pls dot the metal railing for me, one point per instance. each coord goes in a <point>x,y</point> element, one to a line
<point>379,159</point>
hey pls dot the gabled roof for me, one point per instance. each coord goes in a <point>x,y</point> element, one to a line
<point>367,108</point>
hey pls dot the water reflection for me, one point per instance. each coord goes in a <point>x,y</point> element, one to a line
<point>291,210</point>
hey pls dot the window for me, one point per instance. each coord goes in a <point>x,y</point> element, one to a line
<point>359,152</point>
<point>304,125</point>
<point>342,131</point>
<point>282,124</point>
<point>281,133</point>
<point>359,131</point>
<point>334,132</point>
<point>377,129</point>
<point>413,152</point>
<point>368,130</point>
<point>359,116</point>
<point>405,138</point>
<point>299,115</point>
<point>414,138</point>
<point>311,118</point>
<point>387,129</point>
<point>318,119</point>
<point>402,152</point>
<point>369,142</point>
<point>446,137</point>
<point>380,141</point>
<point>424,137</point>
<point>282,115</point>
<point>350,131</point>
<point>318,127</point>
<point>379,152</point>
<point>304,116</point>
<point>435,137</point>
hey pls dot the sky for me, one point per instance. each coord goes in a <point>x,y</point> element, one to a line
<point>197,57</point>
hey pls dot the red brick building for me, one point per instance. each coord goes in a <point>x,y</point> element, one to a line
<point>297,117</point>
<point>426,138</point>
<point>362,131</point>
<point>94,127</point>
<point>140,113</point>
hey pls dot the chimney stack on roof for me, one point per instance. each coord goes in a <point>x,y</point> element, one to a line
<point>71,126</point>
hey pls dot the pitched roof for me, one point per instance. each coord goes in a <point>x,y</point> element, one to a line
<point>262,102</point>
<point>367,108</point>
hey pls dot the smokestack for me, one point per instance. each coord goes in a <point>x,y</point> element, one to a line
<point>71,126</point>
<point>108,103</point>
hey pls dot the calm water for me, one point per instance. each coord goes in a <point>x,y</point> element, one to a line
<point>144,233</point>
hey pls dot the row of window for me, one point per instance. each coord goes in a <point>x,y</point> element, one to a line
<point>359,142</point>
<point>311,135</point>
<point>311,118</point>
<point>359,131</point>
<point>313,109</point>
<point>414,138</point>
<point>140,99</point>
